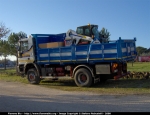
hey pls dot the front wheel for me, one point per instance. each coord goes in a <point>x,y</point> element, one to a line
<point>33,77</point>
<point>83,78</point>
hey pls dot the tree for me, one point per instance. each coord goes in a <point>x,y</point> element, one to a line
<point>104,35</point>
<point>3,33</point>
<point>4,49</point>
<point>0,54</point>
<point>3,30</point>
<point>145,54</point>
<point>140,50</point>
<point>21,35</point>
<point>13,41</point>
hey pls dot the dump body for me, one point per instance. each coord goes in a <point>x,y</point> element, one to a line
<point>119,50</point>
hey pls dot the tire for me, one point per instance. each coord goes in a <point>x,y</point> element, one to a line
<point>83,78</point>
<point>33,77</point>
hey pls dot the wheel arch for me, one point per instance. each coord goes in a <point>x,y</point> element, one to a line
<point>28,66</point>
<point>83,66</point>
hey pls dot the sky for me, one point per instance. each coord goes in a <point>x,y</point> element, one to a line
<point>122,18</point>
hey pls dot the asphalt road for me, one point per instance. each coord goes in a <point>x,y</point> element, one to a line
<point>19,97</point>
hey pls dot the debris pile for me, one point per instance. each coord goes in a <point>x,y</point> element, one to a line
<point>138,75</point>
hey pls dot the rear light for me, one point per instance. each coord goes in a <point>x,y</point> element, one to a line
<point>114,67</point>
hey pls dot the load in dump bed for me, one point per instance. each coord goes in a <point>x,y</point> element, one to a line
<point>80,56</point>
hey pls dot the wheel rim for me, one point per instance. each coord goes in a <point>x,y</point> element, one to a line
<point>32,76</point>
<point>82,78</point>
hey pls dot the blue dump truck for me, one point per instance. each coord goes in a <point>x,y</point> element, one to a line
<point>87,61</point>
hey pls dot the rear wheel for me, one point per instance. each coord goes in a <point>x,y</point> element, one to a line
<point>33,77</point>
<point>83,78</point>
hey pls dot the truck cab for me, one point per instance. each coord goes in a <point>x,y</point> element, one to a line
<point>25,53</point>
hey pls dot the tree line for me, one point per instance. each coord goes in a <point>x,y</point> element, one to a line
<point>9,46</point>
<point>141,51</point>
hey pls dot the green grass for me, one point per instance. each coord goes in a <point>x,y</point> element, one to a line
<point>9,75</point>
<point>121,86</point>
<point>139,67</point>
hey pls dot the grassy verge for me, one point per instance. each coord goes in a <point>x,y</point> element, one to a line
<point>139,67</point>
<point>121,86</point>
<point>9,75</point>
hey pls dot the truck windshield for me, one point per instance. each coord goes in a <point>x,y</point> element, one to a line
<point>95,32</point>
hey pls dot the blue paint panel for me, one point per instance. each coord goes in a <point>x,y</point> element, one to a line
<point>124,54</point>
<point>110,46</point>
<point>54,50</point>
<point>43,59</point>
<point>55,58</point>
<point>95,56</point>
<point>132,45</point>
<point>82,48</point>
<point>110,55</point>
<point>96,47</point>
<point>128,44</point>
<point>43,51</point>
<point>56,62</point>
<point>123,45</point>
<point>45,38</point>
<point>81,56</point>
<point>66,49</point>
<point>80,61</point>
<point>66,58</point>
